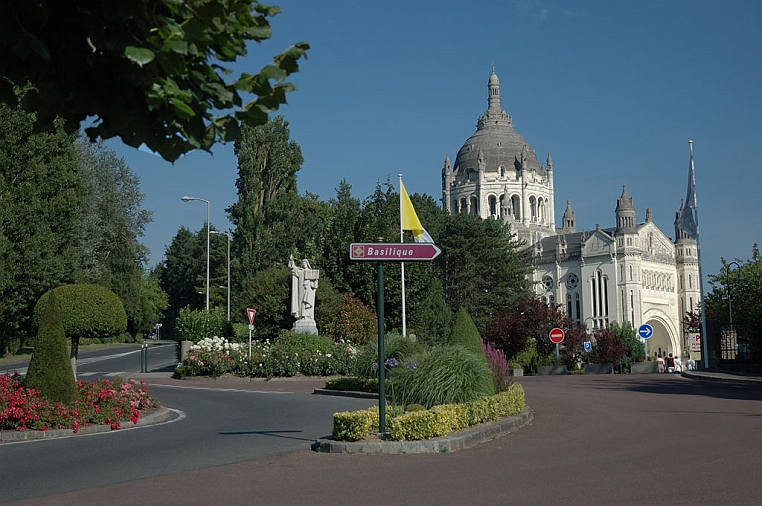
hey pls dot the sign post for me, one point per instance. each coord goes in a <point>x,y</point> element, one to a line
<point>646,331</point>
<point>557,336</point>
<point>392,252</point>
<point>251,313</point>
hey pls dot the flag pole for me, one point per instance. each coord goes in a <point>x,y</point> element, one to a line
<point>402,267</point>
<point>704,335</point>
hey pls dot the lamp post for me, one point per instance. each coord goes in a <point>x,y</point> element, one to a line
<point>208,221</point>
<point>730,303</point>
<point>228,235</point>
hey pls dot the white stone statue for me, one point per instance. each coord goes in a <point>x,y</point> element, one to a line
<point>304,283</point>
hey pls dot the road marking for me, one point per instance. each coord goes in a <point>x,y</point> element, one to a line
<point>218,389</point>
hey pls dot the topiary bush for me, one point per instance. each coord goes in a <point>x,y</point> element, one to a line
<point>464,333</point>
<point>50,370</point>
<point>87,311</point>
<point>443,375</point>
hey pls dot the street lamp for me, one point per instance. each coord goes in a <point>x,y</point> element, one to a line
<point>227,234</point>
<point>208,221</point>
<point>730,303</point>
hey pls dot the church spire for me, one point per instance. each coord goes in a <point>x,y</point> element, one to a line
<point>494,92</point>
<point>494,115</point>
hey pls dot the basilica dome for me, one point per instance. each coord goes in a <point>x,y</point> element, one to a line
<point>495,143</point>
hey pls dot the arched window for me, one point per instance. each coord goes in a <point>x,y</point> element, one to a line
<point>492,206</point>
<point>533,208</point>
<point>516,206</point>
<point>474,205</point>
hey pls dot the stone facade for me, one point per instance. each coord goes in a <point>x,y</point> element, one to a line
<point>630,272</point>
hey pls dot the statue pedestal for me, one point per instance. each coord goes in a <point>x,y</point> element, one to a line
<point>305,326</point>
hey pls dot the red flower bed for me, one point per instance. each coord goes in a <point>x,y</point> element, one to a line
<point>100,402</point>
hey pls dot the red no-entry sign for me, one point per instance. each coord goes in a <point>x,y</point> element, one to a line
<point>557,335</point>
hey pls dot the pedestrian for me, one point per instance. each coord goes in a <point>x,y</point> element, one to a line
<point>678,365</point>
<point>670,363</point>
<point>660,361</point>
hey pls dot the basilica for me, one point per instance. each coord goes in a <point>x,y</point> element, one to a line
<point>628,272</point>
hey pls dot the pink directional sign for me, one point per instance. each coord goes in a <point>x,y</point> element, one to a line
<point>394,252</point>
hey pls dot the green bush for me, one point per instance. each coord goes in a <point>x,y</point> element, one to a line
<point>395,346</point>
<point>196,324</point>
<point>527,359</point>
<point>289,355</point>
<point>87,311</point>
<point>353,322</point>
<point>443,375</point>
<point>50,369</point>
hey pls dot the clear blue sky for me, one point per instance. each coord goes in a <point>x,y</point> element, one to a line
<point>612,89</point>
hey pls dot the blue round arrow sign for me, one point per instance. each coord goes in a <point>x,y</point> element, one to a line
<point>645,331</point>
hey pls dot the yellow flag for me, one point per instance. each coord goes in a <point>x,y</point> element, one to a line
<point>409,219</point>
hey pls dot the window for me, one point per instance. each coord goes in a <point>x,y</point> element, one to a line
<point>572,281</point>
<point>547,282</point>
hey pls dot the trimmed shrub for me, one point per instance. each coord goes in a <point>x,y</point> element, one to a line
<point>440,420</point>
<point>444,375</point>
<point>50,370</point>
<point>86,311</point>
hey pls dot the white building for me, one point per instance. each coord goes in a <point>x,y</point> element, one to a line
<point>630,272</point>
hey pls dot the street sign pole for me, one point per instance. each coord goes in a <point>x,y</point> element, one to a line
<point>381,359</point>
<point>251,313</point>
<point>645,331</point>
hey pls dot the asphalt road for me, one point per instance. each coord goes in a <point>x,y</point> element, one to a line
<point>595,440</point>
<point>218,424</point>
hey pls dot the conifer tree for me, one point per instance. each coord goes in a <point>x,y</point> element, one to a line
<point>49,370</point>
<point>464,333</point>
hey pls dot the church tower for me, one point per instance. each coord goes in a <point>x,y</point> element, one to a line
<point>496,175</point>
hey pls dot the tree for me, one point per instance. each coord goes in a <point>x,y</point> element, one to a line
<point>573,348</point>
<point>340,232</point>
<point>513,328</point>
<point>163,59</point>
<point>40,192</point>
<point>267,197</point>
<point>634,349</point>
<point>483,267</point>
<point>49,369</point>
<point>269,292</point>
<point>608,348</point>
<point>182,272</point>
<point>110,224</point>
<point>744,279</point>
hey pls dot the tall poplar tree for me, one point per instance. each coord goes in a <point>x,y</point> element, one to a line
<point>267,197</point>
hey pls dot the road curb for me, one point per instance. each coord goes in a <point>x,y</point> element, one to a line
<point>446,444</point>
<point>160,416</point>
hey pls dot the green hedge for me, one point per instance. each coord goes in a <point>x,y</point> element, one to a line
<point>435,422</point>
